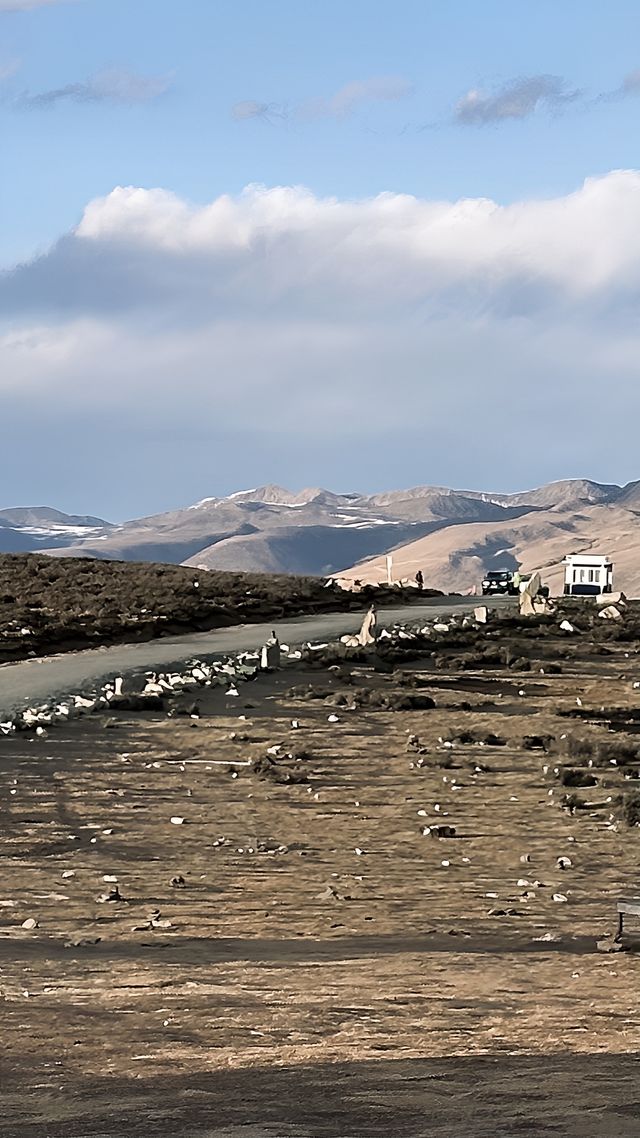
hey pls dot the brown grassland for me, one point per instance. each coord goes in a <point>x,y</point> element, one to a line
<point>328,969</point>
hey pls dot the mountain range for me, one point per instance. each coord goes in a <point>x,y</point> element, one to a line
<point>453,536</point>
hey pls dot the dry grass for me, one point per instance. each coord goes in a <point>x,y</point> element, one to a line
<point>328,970</point>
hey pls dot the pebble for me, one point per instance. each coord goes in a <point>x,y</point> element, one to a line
<point>609,946</point>
<point>30,923</point>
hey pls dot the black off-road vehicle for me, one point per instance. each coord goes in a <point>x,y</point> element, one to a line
<point>499,581</point>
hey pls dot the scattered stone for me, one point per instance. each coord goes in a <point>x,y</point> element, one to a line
<point>607,599</point>
<point>609,946</point>
<point>414,744</point>
<point>30,923</point>
<point>113,895</point>
<point>329,894</point>
<point>611,612</point>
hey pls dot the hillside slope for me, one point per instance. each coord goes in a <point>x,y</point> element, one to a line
<point>36,528</point>
<point>270,529</point>
<point>456,558</point>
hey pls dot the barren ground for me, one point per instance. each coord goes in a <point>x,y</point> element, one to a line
<point>322,991</point>
<point>59,605</point>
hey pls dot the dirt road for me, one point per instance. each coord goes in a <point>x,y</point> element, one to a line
<point>31,680</point>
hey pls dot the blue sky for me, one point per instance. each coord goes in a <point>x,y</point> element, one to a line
<point>509,101</point>
<point>215,55</point>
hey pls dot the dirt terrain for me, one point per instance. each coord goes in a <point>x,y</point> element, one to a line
<point>296,957</point>
<point>49,605</point>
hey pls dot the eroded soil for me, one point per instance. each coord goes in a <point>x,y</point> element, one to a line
<point>328,969</point>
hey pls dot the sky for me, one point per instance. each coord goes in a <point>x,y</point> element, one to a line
<point>359,245</point>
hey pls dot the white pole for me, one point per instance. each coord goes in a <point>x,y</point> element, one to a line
<point>389,569</point>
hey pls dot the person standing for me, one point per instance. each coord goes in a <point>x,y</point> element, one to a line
<point>420,580</point>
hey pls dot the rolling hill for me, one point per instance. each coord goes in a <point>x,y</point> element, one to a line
<point>454,536</point>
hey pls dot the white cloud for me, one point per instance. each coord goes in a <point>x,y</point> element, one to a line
<point>629,88</point>
<point>117,85</point>
<point>517,99</point>
<point>250,109</point>
<point>289,238</point>
<point>341,105</point>
<point>356,93</point>
<point>390,334</point>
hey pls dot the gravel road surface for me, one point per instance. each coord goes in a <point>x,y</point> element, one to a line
<point>30,681</point>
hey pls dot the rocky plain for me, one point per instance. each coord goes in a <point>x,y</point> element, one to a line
<point>371,892</point>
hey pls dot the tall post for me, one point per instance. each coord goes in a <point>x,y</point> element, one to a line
<point>389,569</point>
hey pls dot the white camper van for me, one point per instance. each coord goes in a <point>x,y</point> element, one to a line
<point>587,575</point>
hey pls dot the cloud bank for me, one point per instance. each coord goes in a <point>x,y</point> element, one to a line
<point>280,335</point>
